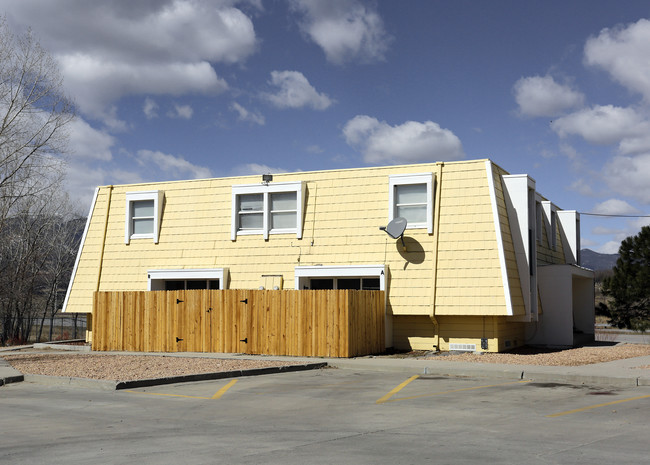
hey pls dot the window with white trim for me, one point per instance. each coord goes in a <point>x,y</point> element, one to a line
<point>411,197</point>
<point>174,280</point>
<point>276,208</point>
<point>143,212</point>
<point>359,277</point>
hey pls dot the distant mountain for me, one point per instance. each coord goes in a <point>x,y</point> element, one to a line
<point>597,261</point>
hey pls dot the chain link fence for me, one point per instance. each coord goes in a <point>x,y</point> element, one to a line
<point>64,327</point>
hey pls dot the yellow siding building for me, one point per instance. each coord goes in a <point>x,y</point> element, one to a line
<point>466,274</point>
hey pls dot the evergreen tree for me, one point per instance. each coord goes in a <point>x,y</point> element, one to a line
<point>628,288</point>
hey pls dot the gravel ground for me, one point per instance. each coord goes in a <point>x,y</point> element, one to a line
<point>126,367</point>
<point>569,357</point>
<point>132,367</point>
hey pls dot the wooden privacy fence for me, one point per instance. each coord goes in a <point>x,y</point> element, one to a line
<point>325,323</point>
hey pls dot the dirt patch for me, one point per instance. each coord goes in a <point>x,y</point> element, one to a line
<point>568,357</point>
<point>127,367</point>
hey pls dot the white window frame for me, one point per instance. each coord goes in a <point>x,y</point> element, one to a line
<point>208,274</point>
<point>303,273</point>
<point>266,190</point>
<point>157,197</point>
<point>412,178</point>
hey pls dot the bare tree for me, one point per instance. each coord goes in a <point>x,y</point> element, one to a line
<point>34,113</point>
<point>37,251</point>
<point>64,237</point>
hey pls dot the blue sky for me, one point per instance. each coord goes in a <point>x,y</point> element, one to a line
<point>166,90</point>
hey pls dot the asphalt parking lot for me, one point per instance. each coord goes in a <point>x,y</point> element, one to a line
<point>327,416</point>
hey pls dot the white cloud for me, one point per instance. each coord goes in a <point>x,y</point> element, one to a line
<point>409,142</point>
<point>542,96</point>
<point>180,167</point>
<point>609,247</point>
<point>582,187</point>
<point>603,231</point>
<point>602,124</point>
<point>623,52</point>
<point>245,115</point>
<point>80,182</point>
<point>628,176</point>
<point>96,83</point>
<point>295,91</point>
<point>346,30</point>
<point>636,144</point>
<point>632,228</point>
<point>89,143</point>
<point>615,207</point>
<point>256,168</point>
<point>150,108</point>
<point>111,49</point>
<point>181,111</point>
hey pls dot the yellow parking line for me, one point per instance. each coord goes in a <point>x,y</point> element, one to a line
<point>223,390</point>
<point>454,390</point>
<point>396,390</point>
<point>596,406</point>
<point>217,395</point>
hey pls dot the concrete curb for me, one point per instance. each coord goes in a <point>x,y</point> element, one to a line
<point>111,385</point>
<point>49,345</point>
<point>12,379</point>
<point>16,348</point>
<point>218,375</point>
<point>9,374</point>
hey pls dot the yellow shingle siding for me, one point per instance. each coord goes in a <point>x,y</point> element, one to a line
<point>514,284</point>
<point>86,273</point>
<point>469,279</point>
<point>342,214</point>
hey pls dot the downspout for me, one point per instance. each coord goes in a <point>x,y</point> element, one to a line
<point>101,253</point>
<point>89,333</point>
<point>436,229</point>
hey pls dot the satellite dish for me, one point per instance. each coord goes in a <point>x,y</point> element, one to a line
<point>395,229</point>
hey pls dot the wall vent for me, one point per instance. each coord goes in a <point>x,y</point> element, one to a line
<point>462,347</point>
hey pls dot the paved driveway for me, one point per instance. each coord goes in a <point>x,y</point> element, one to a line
<point>326,416</point>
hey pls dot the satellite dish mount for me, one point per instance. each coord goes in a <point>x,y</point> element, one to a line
<point>396,228</point>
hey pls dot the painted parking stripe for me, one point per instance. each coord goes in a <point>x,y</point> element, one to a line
<point>451,391</point>
<point>396,390</point>
<point>224,389</point>
<point>217,395</point>
<point>614,402</point>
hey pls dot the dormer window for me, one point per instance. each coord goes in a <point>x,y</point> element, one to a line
<point>411,196</point>
<point>143,212</point>
<point>276,208</point>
